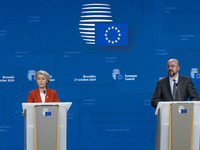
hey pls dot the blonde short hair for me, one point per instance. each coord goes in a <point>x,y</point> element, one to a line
<point>42,72</point>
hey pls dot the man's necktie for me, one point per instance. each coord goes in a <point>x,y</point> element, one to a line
<point>174,90</point>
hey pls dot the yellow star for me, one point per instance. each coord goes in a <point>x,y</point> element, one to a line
<point>119,34</point>
<point>106,38</point>
<point>112,27</point>
<point>118,30</point>
<point>112,42</point>
<point>108,41</point>
<point>105,34</point>
<point>106,31</point>
<point>115,41</point>
<point>108,28</point>
<point>118,38</point>
<point>115,28</point>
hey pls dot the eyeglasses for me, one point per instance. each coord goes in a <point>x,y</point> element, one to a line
<point>172,66</point>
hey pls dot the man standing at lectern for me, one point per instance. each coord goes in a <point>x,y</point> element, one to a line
<point>174,87</point>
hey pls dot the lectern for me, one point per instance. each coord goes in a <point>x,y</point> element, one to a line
<point>45,126</point>
<point>178,125</point>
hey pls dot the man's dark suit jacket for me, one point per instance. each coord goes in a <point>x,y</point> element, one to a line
<point>185,89</point>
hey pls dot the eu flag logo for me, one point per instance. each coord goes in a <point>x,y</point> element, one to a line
<point>112,34</point>
<point>47,113</point>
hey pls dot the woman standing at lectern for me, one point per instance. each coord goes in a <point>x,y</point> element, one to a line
<point>42,94</point>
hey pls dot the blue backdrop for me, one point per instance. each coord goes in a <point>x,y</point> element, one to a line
<point>110,86</point>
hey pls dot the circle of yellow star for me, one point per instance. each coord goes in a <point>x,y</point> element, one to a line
<point>107,35</point>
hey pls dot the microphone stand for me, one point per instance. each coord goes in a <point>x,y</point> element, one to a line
<point>178,92</point>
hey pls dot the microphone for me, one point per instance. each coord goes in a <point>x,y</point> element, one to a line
<point>44,92</point>
<point>178,93</point>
